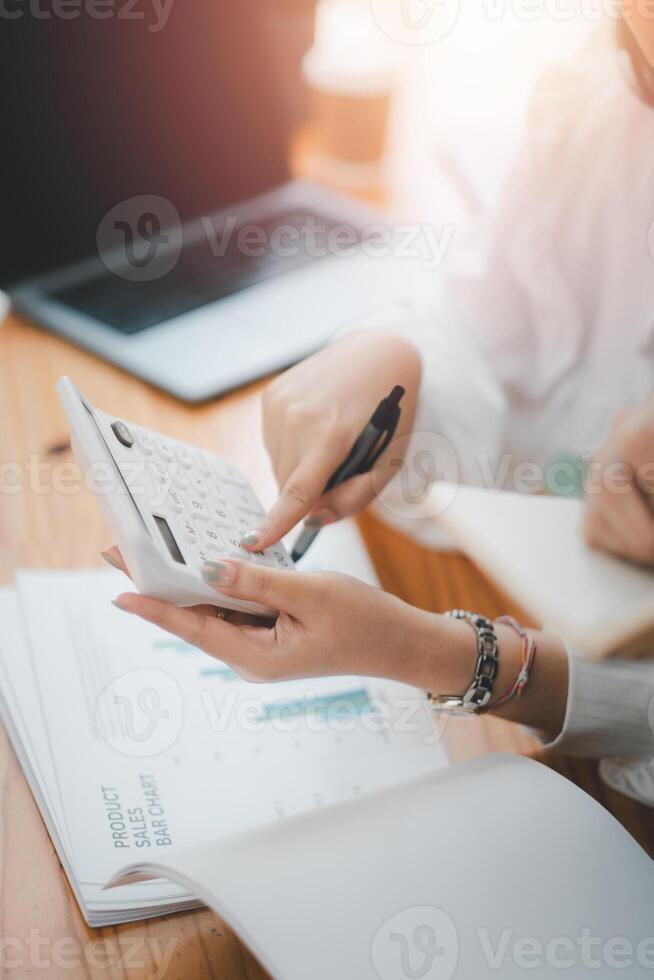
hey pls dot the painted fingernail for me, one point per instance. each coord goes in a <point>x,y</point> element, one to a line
<point>218,573</point>
<point>110,560</point>
<point>252,538</point>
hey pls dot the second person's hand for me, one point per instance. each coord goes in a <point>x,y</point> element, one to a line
<point>619,505</point>
<point>312,415</point>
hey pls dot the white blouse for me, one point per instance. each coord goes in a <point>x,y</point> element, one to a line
<point>541,327</point>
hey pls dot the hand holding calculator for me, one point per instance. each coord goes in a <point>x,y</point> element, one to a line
<point>170,506</point>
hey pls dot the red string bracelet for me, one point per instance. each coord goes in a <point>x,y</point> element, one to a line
<point>528,651</point>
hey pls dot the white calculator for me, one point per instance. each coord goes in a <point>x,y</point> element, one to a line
<point>169,505</point>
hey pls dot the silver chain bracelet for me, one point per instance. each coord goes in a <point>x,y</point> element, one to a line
<point>480,693</point>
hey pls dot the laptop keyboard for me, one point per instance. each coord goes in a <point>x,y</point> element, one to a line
<point>200,276</point>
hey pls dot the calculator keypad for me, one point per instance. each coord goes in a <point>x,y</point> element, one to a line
<point>206,501</point>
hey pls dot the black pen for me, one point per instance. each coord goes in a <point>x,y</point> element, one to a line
<point>362,457</point>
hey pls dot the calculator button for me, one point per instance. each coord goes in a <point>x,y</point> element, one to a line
<point>212,539</point>
<point>263,558</point>
<point>122,434</point>
<point>203,463</point>
<point>197,509</point>
<point>158,471</point>
<point>189,530</point>
<point>241,554</point>
<point>283,561</point>
<point>245,500</point>
<point>175,500</point>
<point>180,479</point>
<point>222,517</point>
<point>184,455</point>
<point>145,443</point>
<point>235,549</point>
<point>199,486</point>
<point>165,450</point>
<point>218,495</point>
<point>243,521</point>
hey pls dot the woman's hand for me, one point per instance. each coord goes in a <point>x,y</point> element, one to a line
<point>328,624</point>
<point>619,511</point>
<point>336,625</point>
<point>312,415</point>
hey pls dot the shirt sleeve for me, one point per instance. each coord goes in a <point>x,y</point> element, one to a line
<point>610,710</point>
<point>610,716</point>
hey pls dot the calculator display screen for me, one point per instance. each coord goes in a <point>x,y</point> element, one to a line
<point>169,538</point>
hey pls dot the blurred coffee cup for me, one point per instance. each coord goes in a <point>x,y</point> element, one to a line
<point>350,75</point>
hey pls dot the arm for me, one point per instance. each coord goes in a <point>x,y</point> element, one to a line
<point>611,704</point>
<point>619,499</point>
<point>503,317</point>
<point>334,625</point>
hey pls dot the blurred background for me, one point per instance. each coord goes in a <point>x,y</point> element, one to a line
<point>115,128</point>
<point>454,80</point>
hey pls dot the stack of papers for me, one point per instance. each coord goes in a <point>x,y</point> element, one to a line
<point>137,746</point>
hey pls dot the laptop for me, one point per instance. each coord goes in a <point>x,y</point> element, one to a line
<point>147,209</point>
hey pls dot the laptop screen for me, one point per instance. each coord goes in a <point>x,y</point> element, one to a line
<point>104,100</point>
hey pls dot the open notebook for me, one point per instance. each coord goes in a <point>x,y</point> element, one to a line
<point>495,868</point>
<point>533,548</point>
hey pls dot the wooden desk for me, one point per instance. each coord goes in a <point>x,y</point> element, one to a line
<point>51,528</point>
